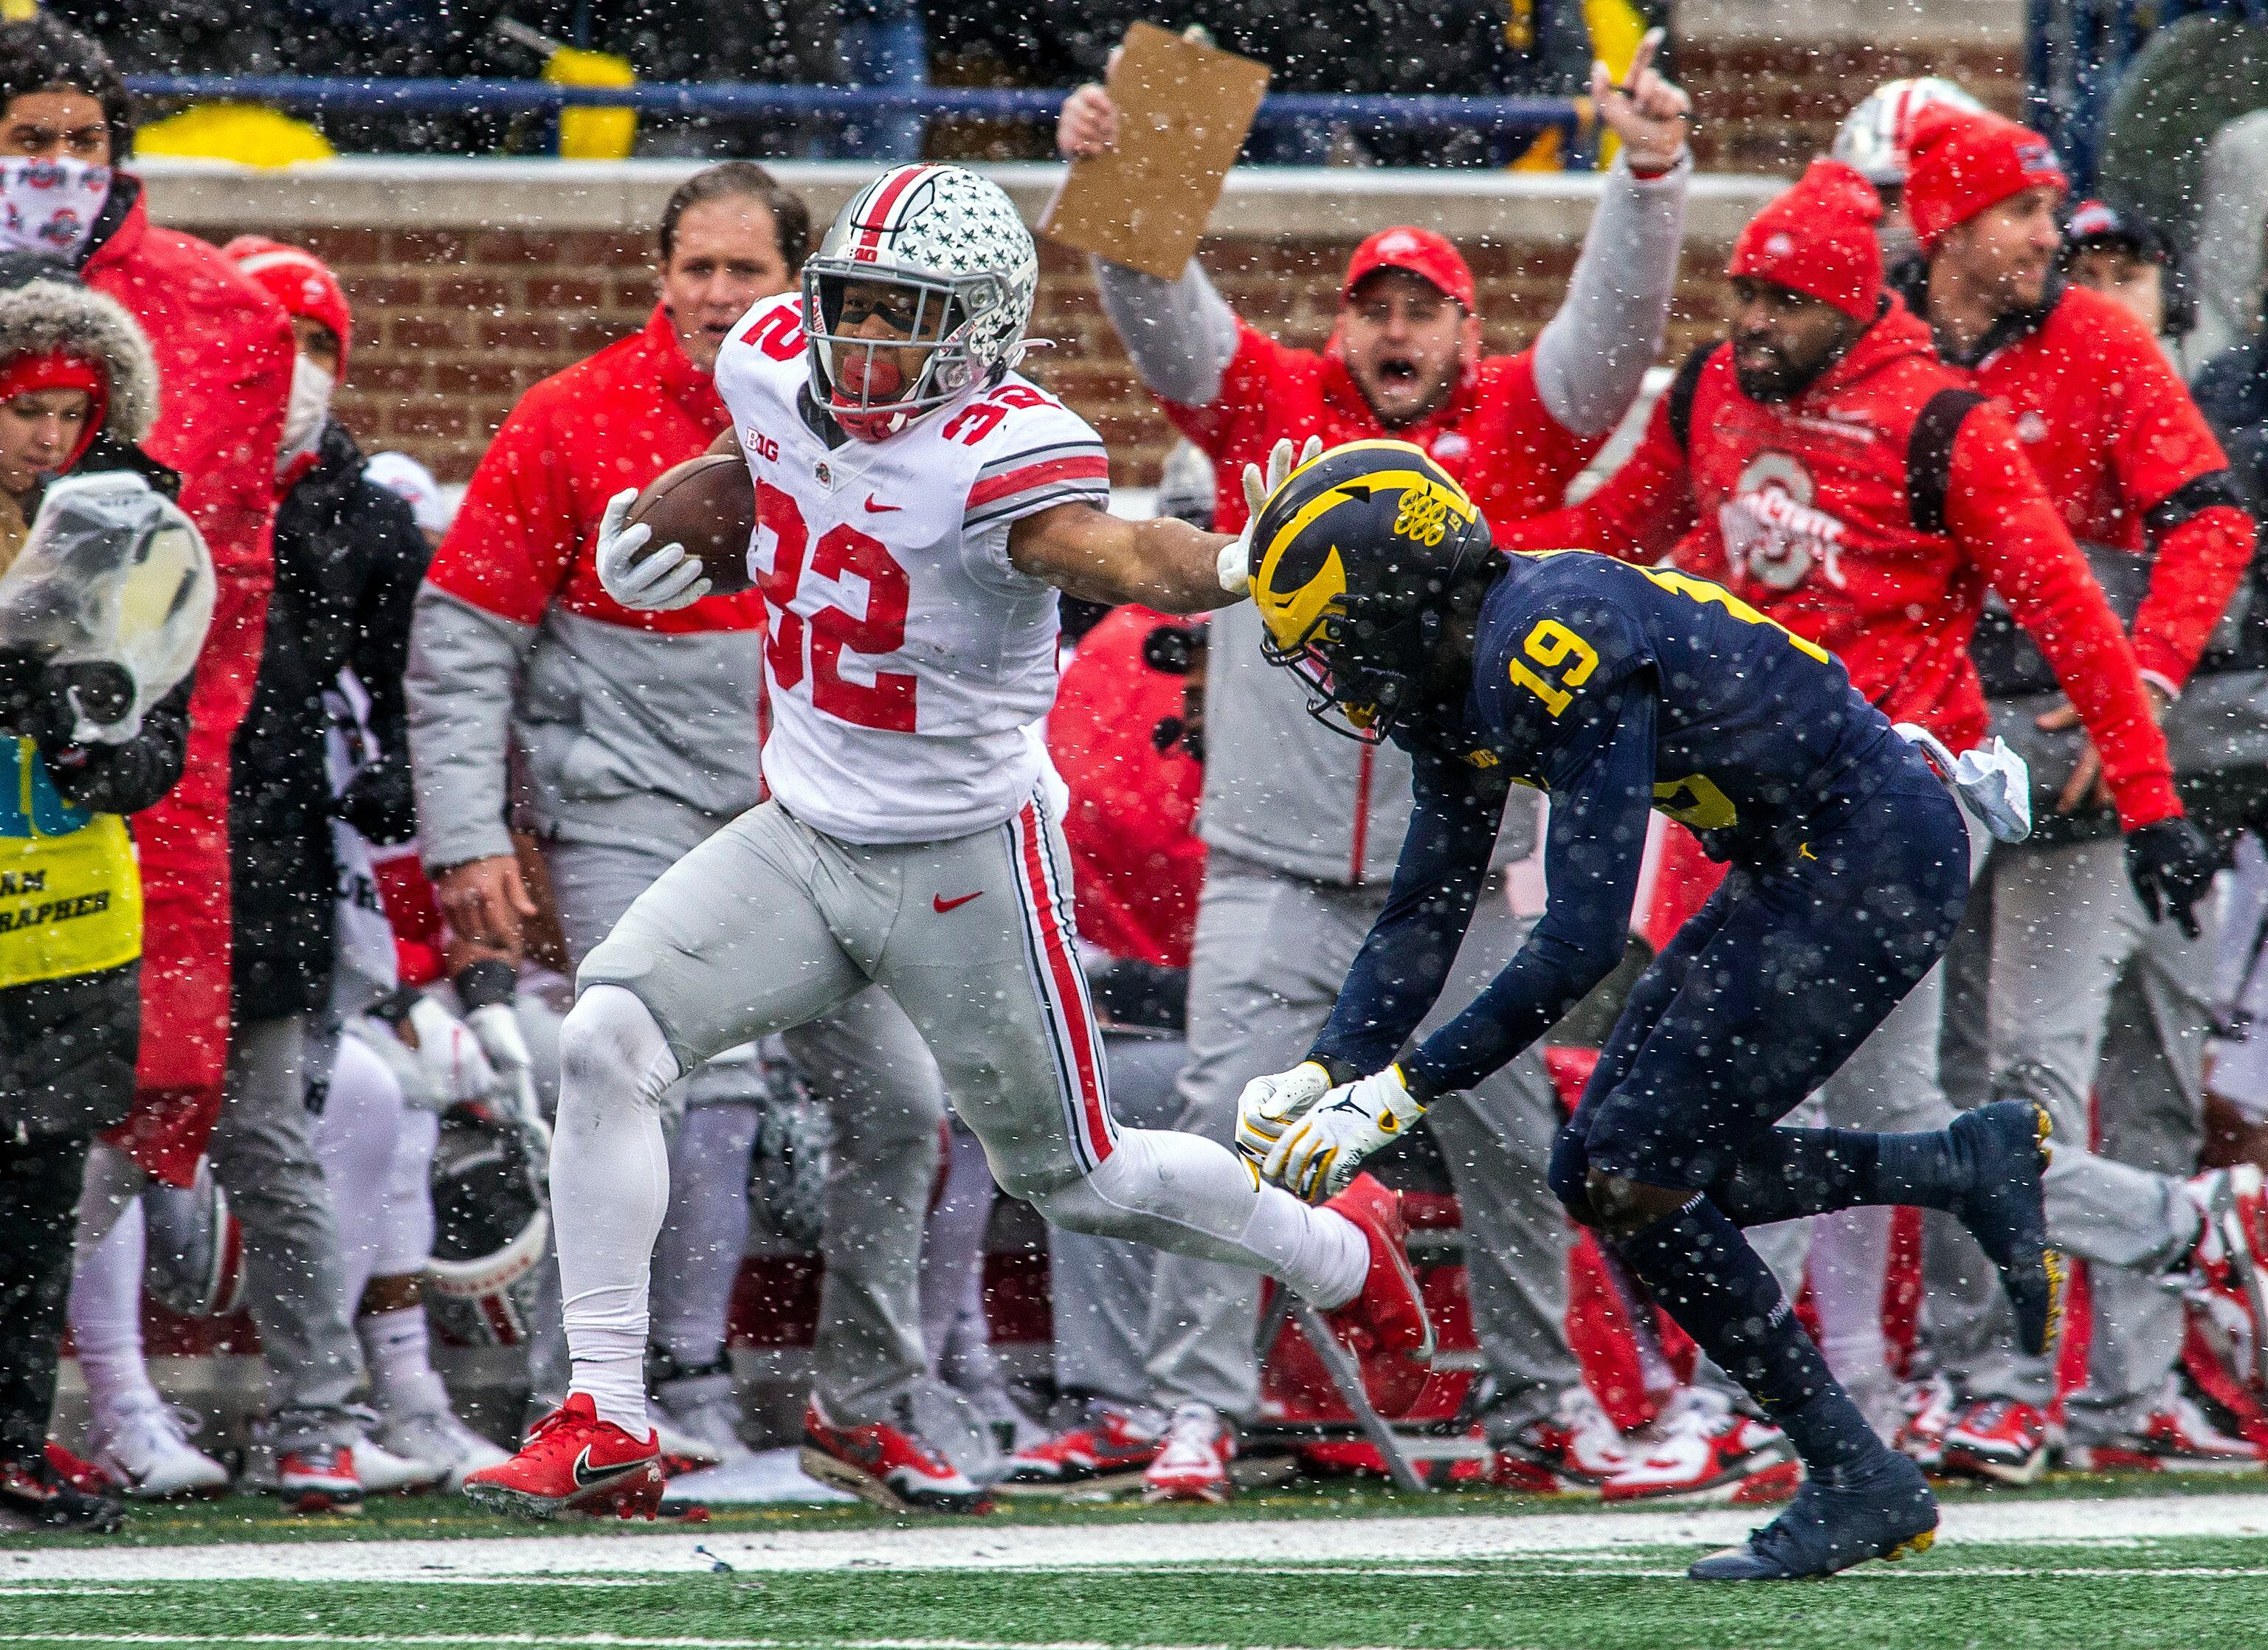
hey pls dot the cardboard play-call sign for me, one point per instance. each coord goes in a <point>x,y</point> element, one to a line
<point>1183,110</point>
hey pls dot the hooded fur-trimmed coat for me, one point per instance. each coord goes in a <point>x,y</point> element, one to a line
<point>68,1046</point>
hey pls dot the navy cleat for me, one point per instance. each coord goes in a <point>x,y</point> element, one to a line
<point>1883,1510</point>
<point>2004,1147</point>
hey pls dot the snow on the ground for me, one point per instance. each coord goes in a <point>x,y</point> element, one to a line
<point>979,1545</point>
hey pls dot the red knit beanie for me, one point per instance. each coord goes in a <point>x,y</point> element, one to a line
<point>1818,239</point>
<point>297,279</point>
<point>1965,161</point>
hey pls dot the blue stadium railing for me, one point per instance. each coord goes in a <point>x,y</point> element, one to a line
<point>1502,115</point>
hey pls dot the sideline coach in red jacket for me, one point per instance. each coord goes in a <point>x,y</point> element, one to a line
<point>224,354</point>
<point>1825,467</point>
<point>2133,468</point>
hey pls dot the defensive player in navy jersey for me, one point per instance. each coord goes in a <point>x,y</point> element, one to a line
<point>1618,690</point>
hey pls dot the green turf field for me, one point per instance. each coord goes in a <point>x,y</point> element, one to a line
<point>2186,1566</point>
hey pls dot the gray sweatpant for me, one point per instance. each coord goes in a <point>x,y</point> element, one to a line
<point>2084,995</point>
<point>1271,952</point>
<point>886,1100</point>
<point>263,1154</point>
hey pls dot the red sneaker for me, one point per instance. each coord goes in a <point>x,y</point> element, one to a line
<point>78,1471</point>
<point>1574,1451</point>
<point>1930,1409</point>
<point>318,1480</point>
<point>1109,1453</point>
<point>1192,1463</point>
<point>575,1463</point>
<point>2227,1271</point>
<point>2175,1437</point>
<point>889,1465</point>
<point>1708,1452</point>
<point>2000,1439</point>
<point>1388,1315</point>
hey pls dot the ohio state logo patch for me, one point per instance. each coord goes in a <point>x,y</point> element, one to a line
<point>1772,531</point>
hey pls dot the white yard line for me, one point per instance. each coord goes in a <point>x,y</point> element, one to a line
<point>979,1546</point>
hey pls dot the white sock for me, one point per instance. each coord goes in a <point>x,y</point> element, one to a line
<point>396,1346</point>
<point>610,1192</point>
<point>105,1318</point>
<point>1191,1196</point>
<point>1319,1253</point>
<point>1848,1267</point>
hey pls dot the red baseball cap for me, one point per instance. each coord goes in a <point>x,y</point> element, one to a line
<point>1429,257</point>
<point>298,280</point>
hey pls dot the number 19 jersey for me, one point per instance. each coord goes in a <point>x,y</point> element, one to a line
<point>904,657</point>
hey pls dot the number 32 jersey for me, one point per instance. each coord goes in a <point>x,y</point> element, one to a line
<point>904,657</point>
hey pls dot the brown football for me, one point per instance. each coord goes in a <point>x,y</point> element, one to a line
<point>708,505</point>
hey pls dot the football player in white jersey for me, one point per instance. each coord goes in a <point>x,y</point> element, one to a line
<point>919,506</point>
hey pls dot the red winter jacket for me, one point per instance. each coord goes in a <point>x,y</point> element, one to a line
<point>1494,434</point>
<point>526,534</point>
<point>224,351</point>
<point>1869,513</point>
<point>2127,457</point>
<point>1136,860</point>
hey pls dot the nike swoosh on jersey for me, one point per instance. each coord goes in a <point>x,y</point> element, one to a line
<point>587,1476</point>
<point>880,509</point>
<point>941,905</point>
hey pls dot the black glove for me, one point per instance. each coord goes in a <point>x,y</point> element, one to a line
<point>378,802</point>
<point>2172,864</point>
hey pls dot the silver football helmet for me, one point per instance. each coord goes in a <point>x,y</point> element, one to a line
<point>939,255</point>
<point>1872,137</point>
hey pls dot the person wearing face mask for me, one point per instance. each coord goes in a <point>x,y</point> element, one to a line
<point>1302,827</point>
<point>347,558</point>
<point>640,733</point>
<point>79,389</point>
<point>223,351</point>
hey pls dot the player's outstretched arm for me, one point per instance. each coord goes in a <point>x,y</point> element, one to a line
<point>1165,565</point>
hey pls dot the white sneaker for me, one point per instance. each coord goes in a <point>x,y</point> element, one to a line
<point>1194,1464</point>
<point>146,1449</point>
<point>706,1409</point>
<point>439,1439</point>
<point>382,1472</point>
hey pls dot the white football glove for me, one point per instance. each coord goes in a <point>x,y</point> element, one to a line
<point>1236,556</point>
<point>670,577</point>
<point>497,1026</point>
<point>1268,1104</point>
<point>1322,1150</point>
<point>454,1068</point>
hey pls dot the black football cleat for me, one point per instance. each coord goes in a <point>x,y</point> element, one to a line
<point>2003,1146</point>
<point>1884,1510</point>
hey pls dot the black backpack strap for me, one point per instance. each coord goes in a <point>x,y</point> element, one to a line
<point>1929,456</point>
<point>1682,388</point>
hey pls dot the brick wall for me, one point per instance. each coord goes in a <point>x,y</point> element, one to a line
<point>1769,106</point>
<point>452,325</point>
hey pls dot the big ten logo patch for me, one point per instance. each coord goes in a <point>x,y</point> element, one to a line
<point>1424,517</point>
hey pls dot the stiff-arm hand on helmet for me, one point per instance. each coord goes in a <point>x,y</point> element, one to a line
<point>1236,556</point>
<point>670,577</point>
<point>1320,1152</point>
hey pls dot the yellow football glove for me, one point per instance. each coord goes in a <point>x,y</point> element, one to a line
<point>1323,1148</point>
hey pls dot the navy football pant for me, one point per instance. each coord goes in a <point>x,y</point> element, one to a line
<point>1760,997</point>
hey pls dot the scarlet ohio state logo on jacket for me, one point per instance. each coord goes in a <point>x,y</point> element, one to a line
<point>905,657</point>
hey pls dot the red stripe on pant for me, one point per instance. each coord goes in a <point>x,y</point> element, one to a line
<point>1068,996</point>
